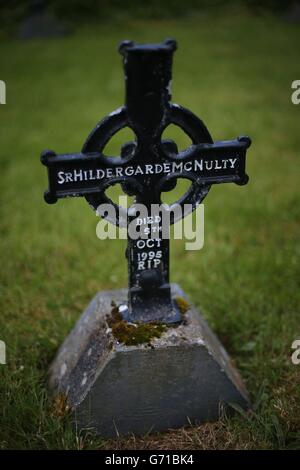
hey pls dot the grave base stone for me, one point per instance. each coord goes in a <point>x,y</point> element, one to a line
<point>184,376</point>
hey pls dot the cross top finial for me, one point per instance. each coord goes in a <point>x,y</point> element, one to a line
<point>148,74</point>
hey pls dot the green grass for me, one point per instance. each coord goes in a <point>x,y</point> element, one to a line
<point>235,72</point>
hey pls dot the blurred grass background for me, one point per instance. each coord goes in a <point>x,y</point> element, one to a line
<point>234,71</point>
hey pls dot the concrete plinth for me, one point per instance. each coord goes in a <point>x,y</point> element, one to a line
<point>182,377</point>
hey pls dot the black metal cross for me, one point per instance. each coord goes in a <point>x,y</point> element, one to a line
<point>146,168</point>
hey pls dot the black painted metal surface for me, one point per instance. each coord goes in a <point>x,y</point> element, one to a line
<point>147,167</point>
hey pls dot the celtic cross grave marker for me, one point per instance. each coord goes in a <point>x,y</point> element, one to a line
<point>95,366</point>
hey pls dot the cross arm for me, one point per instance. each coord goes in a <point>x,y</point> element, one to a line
<point>74,175</point>
<point>220,162</point>
<point>83,174</point>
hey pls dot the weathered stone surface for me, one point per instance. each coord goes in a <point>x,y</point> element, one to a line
<point>184,376</point>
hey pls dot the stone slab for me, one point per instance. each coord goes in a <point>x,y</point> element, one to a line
<point>185,376</point>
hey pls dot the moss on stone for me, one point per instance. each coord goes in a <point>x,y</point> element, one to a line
<point>133,333</point>
<point>60,407</point>
<point>182,304</point>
